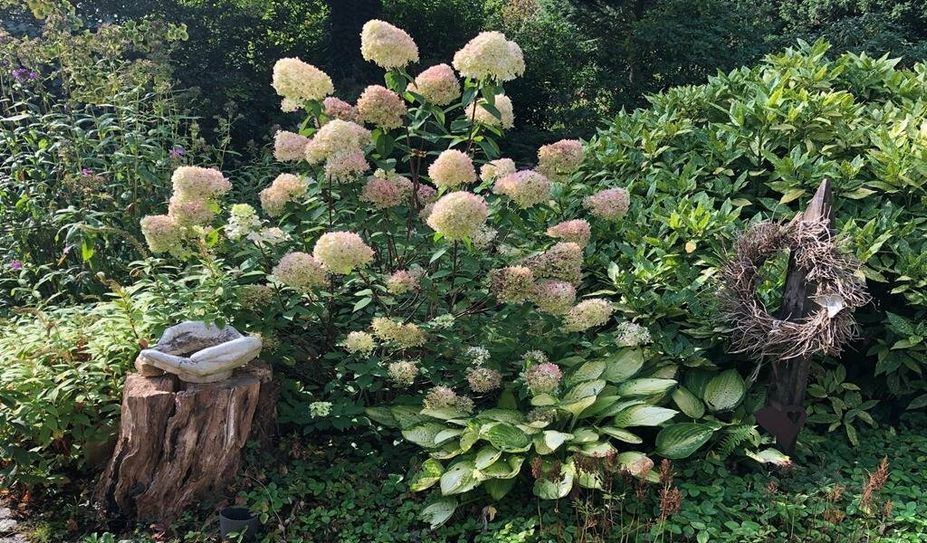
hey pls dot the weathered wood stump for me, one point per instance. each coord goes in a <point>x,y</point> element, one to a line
<point>178,443</point>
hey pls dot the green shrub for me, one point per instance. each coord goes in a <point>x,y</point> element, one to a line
<point>703,162</point>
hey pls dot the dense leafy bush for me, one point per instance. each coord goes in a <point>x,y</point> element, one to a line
<point>704,161</point>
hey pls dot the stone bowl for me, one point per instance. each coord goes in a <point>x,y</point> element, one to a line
<point>198,352</point>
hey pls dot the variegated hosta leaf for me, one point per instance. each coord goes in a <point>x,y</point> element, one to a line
<point>725,391</point>
<point>428,475</point>
<point>688,403</point>
<point>504,468</point>
<point>559,487</point>
<point>584,390</point>
<point>503,415</point>
<point>505,437</point>
<point>643,415</point>
<point>639,465</point>
<point>382,415</point>
<point>587,372</point>
<point>620,434</point>
<point>550,441</point>
<point>486,457</point>
<point>584,435</point>
<point>459,478</point>
<point>543,400</point>
<point>447,451</point>
<point>445,435</point>
<point>470,436</point>
<point>407,416</point>
<point>680,440</point>
<point>424,434</point>
<point>646,386</point>
<point>623,365</point>
<point>603,403</point>
<point>577,407</point>
<point>589,479</point>
<point>498,488</point>
<point>445,413</point>
<point>439,512</point>
<point>596,449</point>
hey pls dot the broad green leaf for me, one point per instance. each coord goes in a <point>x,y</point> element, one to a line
<point>459,478</point>
<point>621,434</point>
<point>407,416</point>
<point>424,434</point>
<point>504,468</point>
<point>439,512</point>
<point>543,400</point>
<point>643,415</point>
<point>427,476</point>
<point>506,437</point>
<point>645,387</point>
<point>584,390</point>
<point>587,372</point>
<point>486,457</point>
<point>498,488</point>
<point>547,489</point>
<point>382,415</point>
<point>623,365</point>
<point>725,391</point>
<point>680,440</point>
<point>550,441</point>
<point>688,403</point>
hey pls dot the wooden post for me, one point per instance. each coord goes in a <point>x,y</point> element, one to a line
<point>784,414</point>
<point>178,443</point>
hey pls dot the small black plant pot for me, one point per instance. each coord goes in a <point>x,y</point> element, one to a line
<point>238,520</point>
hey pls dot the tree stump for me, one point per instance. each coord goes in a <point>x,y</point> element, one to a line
<point>178,443</point>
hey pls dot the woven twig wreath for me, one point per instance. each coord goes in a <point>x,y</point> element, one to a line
<point>833,285</point>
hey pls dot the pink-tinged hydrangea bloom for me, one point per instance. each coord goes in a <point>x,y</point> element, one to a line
<point>427,194</point>
<point>381,193</point>
<point>402,335</point>
<point>341,252</point>
<point>490,56</point>
<point>587,314</point>
<point>402,373</point>
<point>558,160</point>
<point>629,334</point>
<point>442,397</point>
<point>387,46</point>
<point>193,182</point>
<point>554,297</point>
<point>402,281</point>
<point>526,188</point>
<point>336,137</point>
<point>268,237</point>
<point>300,271</point>
<point>512,284</point>
<point>162,234</point>
<point>563,262</point>
<point>336,108</point>
<point>609,204</point>
<point>284,189</point>
<point>483,379</point>
<point>496,169</point>
<point>381,107</point>
<point>359,343</point>
<point>543,378</point>
<point>289,146</point>
<point>437,84</point>
<point>502,103</point>
<point>299,82</point>
<point>577,231</point>
<point>345,167</point>
<point>451,169</point>
<point>190,211</point>
<point>458,215</point>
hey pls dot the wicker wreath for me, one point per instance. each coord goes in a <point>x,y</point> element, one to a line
<point>834,286</point>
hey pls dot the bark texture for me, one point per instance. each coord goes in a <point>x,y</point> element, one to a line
<point>178,443</point>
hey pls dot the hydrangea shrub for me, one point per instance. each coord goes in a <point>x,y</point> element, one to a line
<point>441,284</point>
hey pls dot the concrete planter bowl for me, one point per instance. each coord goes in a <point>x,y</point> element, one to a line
<point>198,352</point>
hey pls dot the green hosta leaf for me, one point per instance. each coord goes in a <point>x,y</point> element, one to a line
<point>424,434</point>
<point>550,441</point>
<point>543,400</point>
<point>587,372</point>
<point>407,416</point>
<point>577,407</point>
<point>506,437</point>
<point>725,391</point>
<point>447,451</point>
<point>688,403</point>
<point>470,436</point>
<point>445,413</point>
<point>506,468</point>
<point>439,512</point>
<point>589,479</point>
<point>498,488</point>
<point>647,386</point>
<point>643,415</point>
<point>623,365</point>
<point>503,415</point>
<point>445,435</point>
<point>621,434</point>
<point>680,440</point>
<point>584,435</point>
<point>602,404</point>
<point>382,415</point>
<point>770,456</point>
<point>459,478</point>
<point>638,464</point>
<point>584,390</point>
<point>547,489</point>
<point>427,476</point>
<point>486,457</point>
<point>618,407</point>
<point>597,449</point>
